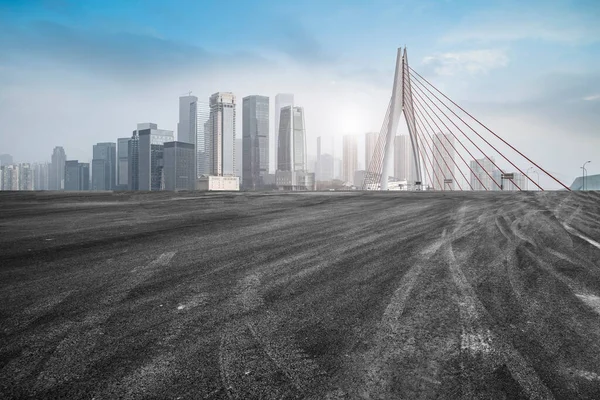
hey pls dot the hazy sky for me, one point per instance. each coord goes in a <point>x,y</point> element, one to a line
<point>74,73</point>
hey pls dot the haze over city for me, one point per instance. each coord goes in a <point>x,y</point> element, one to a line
<point>77,73</point>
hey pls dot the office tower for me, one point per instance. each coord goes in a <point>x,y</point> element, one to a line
<point>40,176</point>
<point>326,168</point>
<point>479,178</point>
<point>404,160</point>
<point>6,159</point>
<point>150,148</point>
<point>349,158</point>
<point>221,140</point>
<point>25,176</point>
<point>104,166</point>
<point>187,127</point>
<point>255,141</point>
<point>57,169</point>
<point>281,100</point>
<point>122,163</point>
<point>370,146</point>
<point>9,177</point>
<point>133,163</point>
<point>77,175</point>
<point>179,166</point>
<point>443,168</point>
<point>291,150</point>
<point>203,132</point>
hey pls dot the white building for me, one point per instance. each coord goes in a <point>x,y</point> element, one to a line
<point>281,100</point>
<point>349,158</point>
<point>404,159</point>
<point>218,183</point>
<point>481,174</point>
<point>443,167</point>
<point>221,139</point>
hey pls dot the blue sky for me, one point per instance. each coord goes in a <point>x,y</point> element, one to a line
<point>74,73</point>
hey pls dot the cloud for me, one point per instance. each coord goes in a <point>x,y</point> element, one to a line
<point>592,97</point>
<point>537,23</point>
<point>472,62</point>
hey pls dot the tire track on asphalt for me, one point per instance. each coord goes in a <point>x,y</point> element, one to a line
<point>480,345</point>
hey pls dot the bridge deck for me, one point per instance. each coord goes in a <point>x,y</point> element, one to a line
<point>304,295</point>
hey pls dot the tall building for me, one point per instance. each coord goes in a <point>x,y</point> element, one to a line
<point>122,163</point>
<point>104,166</point>
<point>370,146</point>
<point>9,177</point>
<point>479,179</point>
<point>291,150</point>
<point>404,160</point>
<point>281,100</point>
<point>133,161</point>
<point>40,176</point>
<point>221,140</point>
<point>77,175</point>
<point>179,166</point>
<point>326,168</point>
<point>150,148</point>
<point>255,141</point>
<point>202,133</point>
<point>349,158</point>
<point>56,180</point>
<point>238,158</point>
<point>6,159</point>
<point>25,177</point>
<point>187,127</point>
<point>444,168</point>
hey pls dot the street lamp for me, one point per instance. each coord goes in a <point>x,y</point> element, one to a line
<point>584,173</point>
<point>527,173</point>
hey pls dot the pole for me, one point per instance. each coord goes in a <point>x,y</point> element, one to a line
<point>584,173</point>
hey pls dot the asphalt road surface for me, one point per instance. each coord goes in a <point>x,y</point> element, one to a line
<point>300,295</point>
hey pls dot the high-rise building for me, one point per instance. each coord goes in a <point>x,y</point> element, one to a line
<point>443,167</point>
<point>9,177</point>
<point>187,127</point>
<point>404,160</point>
<point>255,144</point>
<point>202,135</point>
<point>326,168</point>
<point>179,166</point>
<point>349,158</point>
<point>40,175</point>
<point>25,176</point>
<point>151,142</point>
<point>291,151</point>
<point>56,180</point>
<point>370,146</point>
<point>281,100</point>
<point>221,140</point>
<point>133,161</point>
<point>122,163</point>
<point>6,159</point>
<point>483,174</point>
<point>238,158</point>
<point>104,166</point>
<point>77,175</point>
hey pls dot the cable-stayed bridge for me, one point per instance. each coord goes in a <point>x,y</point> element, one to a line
<point>449,149</point>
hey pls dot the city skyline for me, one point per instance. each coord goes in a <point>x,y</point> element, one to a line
<point>535,86</point>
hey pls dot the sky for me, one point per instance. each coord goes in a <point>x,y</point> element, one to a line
<point>74,73</point>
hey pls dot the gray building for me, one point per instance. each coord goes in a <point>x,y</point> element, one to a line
<point>349,158</point>
<point>122,163</point>
<point>326,167</point>
<point>133,165</point>
<point>25,176</point>
<point>255,141</point>
<point>77,175</point>
<point>291,147</point>
<point>221,140</point>
<point>203,132</point>
<point>40,175</point>
<point>281,100</point>
<point>56,180</point>
<point>150,149</point>
<point>179,166</point>
<point>104,166</point>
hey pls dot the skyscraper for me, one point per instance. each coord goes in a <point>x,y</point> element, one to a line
<point>404,160</point>
<point>25,176</point>
<point>187,127</point>
<point>370,146</point>
<point>255,144</point>
<point>326,167</point>
<point>104,165</point>
<point>291,149</point>
<point>133,161</point>
<point>443,169</point>
<point>57,169</point>
<point>479,179</point>
<point>281,100</point>
<point>238,158</point>
<point>202,133</point>
<point>150,155</point>
<point>349,158</point>
<point>77,175</point>
<point>179,171</point>
<point>40,176</point>
<point>221,140</point>
<point>122,163</point>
